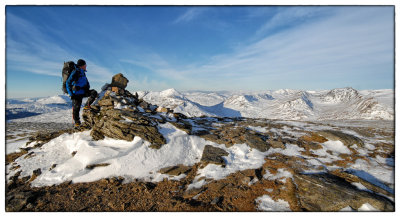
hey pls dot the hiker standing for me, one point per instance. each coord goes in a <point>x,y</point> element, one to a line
<point>78,87</point>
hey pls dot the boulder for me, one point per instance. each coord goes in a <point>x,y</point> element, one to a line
<point>213,155</point>
<point>120,81</point>
<point>125,125</point>
<point>255,141</point>
<point>327,192</point>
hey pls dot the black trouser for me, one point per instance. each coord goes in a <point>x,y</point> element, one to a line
<point>77,102</point>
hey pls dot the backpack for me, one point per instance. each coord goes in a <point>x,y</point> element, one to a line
<point>66,71</point>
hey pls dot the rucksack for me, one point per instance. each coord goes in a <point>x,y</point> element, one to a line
<point>66,71</point>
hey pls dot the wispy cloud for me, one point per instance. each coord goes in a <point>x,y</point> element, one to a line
<point>190,14</point>
<point>286,16</point>
<point>39,54</point>
<point>343,47</point>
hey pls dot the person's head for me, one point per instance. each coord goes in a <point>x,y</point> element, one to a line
<point>81,64</point>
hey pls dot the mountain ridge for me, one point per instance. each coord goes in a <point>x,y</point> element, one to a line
<point>336,104</point>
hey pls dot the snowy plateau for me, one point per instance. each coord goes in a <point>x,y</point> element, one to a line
<point>222,151</point>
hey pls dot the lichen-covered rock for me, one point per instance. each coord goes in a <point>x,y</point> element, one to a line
<point>255,141</point>
<point>106,101</point>
<point>176,170</point>
<point>125,125</point>
<point>119,80</point>
<point>326,192</point>
<point>213,155</point>
<point>275,144</point>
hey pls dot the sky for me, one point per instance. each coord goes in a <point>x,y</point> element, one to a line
<point>209,48</point>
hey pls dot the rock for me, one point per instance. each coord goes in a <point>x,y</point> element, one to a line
<point>217,200</point>
<point>97,135</point>
<point>213,155</point>
<point>347,139</point>
<point>11,157</point>
<point>106,101</point>
<point>120,81</point>
<point>176,170</point>
<point>144,105</point>
<point>326,192</point>
<point>92,166</point>
<point>90,117</point>
<point>52,167</point>
<point>314,137</point>
<point>178,116</point>
<point>184,126</point>
<point>276,144</point>
<point>117,90</point>
<point>353,178</point>
<point>17,201</point>
<point>256,142</point>
<point>124,125</point>
<point>35,174</point>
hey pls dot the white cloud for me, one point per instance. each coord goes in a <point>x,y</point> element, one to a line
<point>190,15</point>
<point>291,15</point>
<point>40,54</point>
<point>346,44</point>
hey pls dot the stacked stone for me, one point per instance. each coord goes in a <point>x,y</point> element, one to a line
<point>119,114</point>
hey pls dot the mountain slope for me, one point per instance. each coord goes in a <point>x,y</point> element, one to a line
<point>336,104</point>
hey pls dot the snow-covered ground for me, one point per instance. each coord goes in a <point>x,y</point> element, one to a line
<point>72,153</point>
<point>129,159</point>
<point>67,157</point>
<point>136,160</point>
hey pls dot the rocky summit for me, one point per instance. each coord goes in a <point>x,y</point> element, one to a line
<point>224,163</point>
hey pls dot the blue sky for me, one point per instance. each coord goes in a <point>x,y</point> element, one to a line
<point>201,48</point>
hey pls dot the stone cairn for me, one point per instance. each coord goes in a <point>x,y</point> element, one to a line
<point>119,114</point>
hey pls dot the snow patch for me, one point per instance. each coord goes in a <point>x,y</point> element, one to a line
<point>336,146</point>
<point>240,157</point>
<point>282,174</point>
<point>368,207</point>
<point>266,203</point>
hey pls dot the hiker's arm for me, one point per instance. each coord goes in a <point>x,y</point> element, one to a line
<point>69,82</point>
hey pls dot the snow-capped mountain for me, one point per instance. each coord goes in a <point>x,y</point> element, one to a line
<point>336,104</point>
<point>22,108</point>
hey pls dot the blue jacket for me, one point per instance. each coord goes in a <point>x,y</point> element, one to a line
<point>77,79</point>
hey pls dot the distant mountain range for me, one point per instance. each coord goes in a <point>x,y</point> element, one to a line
<point>286,104</point>
<point>336,104</point>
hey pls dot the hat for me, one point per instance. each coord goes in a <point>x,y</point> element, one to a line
<point>80,63</point>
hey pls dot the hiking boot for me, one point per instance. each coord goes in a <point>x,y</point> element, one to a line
<point>87,107</point>
<point>77,126</point>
